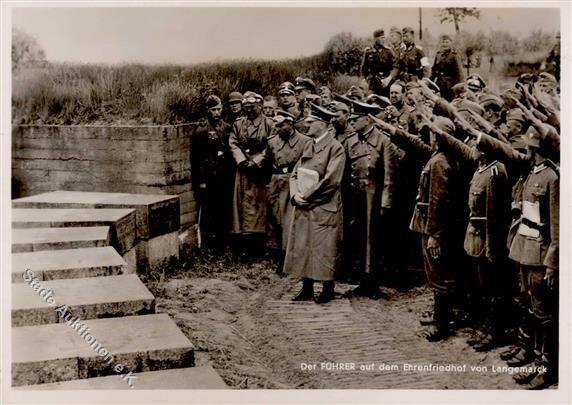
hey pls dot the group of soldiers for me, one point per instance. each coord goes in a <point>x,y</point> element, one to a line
<point>342,186</point>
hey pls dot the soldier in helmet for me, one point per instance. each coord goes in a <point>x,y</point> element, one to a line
<point>234,104</point>
<point>447,70</point>
<point>211,175</point>
<point>413,64</point>
<point>379,65</point>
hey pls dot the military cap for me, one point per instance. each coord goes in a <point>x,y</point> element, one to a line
<point>286,88</point>
<point>312,98</point>
<point>547,77</point>
<point>475,83</point>
<point>446,37</point>
<point>355,92</point>
<point>394,29</point>
<point>282,116</point>
<point>525,78</point>
<point>444,124</point>
<point>320,113</point>
<point>305,83</point>
<point>235,97</point>
<point>407,30</point>
<point>432,85</point>
<point>532,138</point>
<point>213,101</point>
<point>411,86</point>
<point>251,97</point>
<point>459,88</point>
<point>378,33</point>
<point>341,98</point>
<point>359,109</point>
<point>336,106</point>
<point>470,106</point>
<point>516,114</point>
<point>380,101</point>
<point>324,90</point>
<point>489,100</point>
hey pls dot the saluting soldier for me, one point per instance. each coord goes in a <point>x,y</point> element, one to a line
<point>413,64</point>
<point>369,184</point>
<point>534,245</point>
<point>313,251</point>
<point>248,145</point>
<point>536,248</point>
<point>379,65</point>
<point>447,69</point>
<point>436,217</point>
<point>211,175</point>
<point>485,237</point>
<point>284,150</point>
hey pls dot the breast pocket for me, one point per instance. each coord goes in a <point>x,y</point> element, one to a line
<point>477,201</point>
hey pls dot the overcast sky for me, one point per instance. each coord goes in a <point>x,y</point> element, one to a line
<point>191,35</point>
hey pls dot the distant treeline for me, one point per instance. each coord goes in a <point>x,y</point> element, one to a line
<point>47,93</point>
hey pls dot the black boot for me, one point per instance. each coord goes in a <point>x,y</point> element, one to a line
<point>307,291</point>
<point>441,314</point>
<point>327,293</point>
<point>549,358</point>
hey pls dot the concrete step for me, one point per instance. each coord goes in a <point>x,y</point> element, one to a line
<point>36,239</point>
<point>57,352</point>
<point>201,378</point>
<point>120,220</point>
<point>156,214</point>
<point>88,298</point>
<point>68,263</point>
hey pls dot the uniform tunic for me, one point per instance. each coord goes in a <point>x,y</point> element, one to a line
<point>313,249</point>
<point>446,72</point>
<point>413,63</point>
<point>377,64</point>
<point>212,166</point>
<point>248,141</point>
<point>370,183</point>
<point>283,155</point>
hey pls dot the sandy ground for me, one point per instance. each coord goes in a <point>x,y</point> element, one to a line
<point>224,309</point>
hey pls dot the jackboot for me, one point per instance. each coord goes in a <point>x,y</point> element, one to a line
<point>327,293</point>
<point>441,314</point>
<point>307,291</point>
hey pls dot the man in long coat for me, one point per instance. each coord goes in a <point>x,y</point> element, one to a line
<point>248,144</point>
<point>313,251</point>
<point>369,181</point>
<point>284,151</point>
<point>211,175</point>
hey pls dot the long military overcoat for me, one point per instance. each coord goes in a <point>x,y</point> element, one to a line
<point>283,156</point>
<point>313,249</point>
<point>248,141</point>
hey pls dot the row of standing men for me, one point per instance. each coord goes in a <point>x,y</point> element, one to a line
<point>336,185</point>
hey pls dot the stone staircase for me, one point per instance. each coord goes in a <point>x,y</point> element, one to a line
<point>85,249</point>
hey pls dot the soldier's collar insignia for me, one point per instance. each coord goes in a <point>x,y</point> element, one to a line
<point>482,169</point>
<point>539,168</point>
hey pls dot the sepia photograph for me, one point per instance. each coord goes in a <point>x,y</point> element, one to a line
<point>281,199</point>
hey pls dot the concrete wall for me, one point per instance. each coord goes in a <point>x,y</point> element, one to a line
<point>128,159</point>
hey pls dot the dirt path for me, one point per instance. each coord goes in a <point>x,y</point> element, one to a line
<point>241,319</point>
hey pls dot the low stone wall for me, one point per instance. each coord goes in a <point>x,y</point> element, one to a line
<point>125,159</point>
